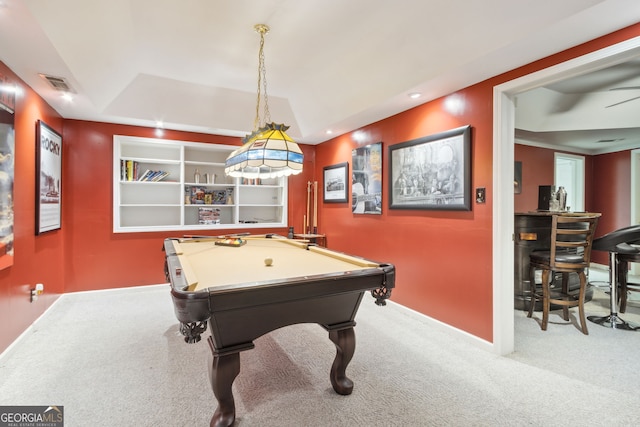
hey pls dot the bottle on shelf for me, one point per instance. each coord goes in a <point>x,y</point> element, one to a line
<point>562,199</point>
<point>196,177</point>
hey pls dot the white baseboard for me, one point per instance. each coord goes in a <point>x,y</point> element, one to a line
<point>30,327</point>
<point>28,330</point>
<point>452,331</point>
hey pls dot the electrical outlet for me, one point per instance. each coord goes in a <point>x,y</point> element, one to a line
<point>36,292</point>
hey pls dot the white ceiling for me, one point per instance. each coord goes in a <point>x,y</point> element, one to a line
<point>331,64</point>
<point>592,113</point>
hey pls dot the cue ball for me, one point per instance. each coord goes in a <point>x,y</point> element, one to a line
<point>268,262</point>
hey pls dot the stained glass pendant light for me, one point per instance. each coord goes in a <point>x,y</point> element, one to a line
<point>267,152</point>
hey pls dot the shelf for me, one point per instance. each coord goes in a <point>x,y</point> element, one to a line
<point>140,216</point>
<point>152,161</point>
<point>140,206</point>
<point>150,182</point>
<point>126,205</point>
<point>192,162</point>
<point>199,184</point>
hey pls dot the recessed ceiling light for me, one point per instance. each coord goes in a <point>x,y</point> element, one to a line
<point>415,95</point>
<point>329,132</point>
<point>67,97</point>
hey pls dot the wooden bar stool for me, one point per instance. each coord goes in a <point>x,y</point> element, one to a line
<point>570,252</point>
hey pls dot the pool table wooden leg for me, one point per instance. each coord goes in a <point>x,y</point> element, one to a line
<point>223,370</point>
<point>345,342</point>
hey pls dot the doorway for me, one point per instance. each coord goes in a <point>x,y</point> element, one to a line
<point>503,169</point>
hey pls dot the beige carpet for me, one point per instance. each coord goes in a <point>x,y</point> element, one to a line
<point>116,358</point>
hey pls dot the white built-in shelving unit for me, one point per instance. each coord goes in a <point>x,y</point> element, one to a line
<point>179,200</point>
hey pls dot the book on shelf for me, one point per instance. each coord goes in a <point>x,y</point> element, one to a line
<point>208,215</point>
<point>130,171</point>
<point>155,176</point>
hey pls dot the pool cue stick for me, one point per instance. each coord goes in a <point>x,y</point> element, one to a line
<point>306,222</point>
<point>221,236</point>
<point>315,207</point>
<point>253,237</point>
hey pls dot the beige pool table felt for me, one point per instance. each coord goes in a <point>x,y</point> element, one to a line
<point>206,265</point>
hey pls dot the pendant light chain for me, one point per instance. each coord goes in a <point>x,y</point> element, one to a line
<point>262,82</point>
<point>267,152</point>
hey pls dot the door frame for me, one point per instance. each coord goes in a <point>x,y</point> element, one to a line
<point>635,199</point>
<point>504,104</point>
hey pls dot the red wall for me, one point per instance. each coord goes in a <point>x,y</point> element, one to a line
<point>537,169</point>
<point>607,187</point>
<point>101,259</point>
<point>434,251</point>
<point>610,194</point>
<point>37,259</point>
<point>443,259</point>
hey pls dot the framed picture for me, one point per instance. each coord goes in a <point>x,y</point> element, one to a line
<point>366,180</point>
<point>48,179</point>
<point>7,167</point>
<point>336,178</point>
<point>433,172</point>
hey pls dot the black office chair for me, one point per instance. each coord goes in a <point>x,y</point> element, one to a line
<point>618,244</point>
<point>570,252</point>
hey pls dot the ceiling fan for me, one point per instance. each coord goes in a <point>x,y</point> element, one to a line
<point>627,100</point>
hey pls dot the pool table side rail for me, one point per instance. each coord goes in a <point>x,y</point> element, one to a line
<point>197,306</point>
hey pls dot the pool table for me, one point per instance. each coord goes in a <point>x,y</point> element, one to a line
<point>240,297</point>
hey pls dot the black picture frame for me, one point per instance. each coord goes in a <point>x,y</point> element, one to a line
<point>48,178</point>
<point>366,180</point>
<point>7,170</point>
<point>433,172</point>
<point>336,183</point>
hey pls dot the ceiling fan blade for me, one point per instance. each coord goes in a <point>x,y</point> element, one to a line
<point>625,88</point>
<point>622,102</point>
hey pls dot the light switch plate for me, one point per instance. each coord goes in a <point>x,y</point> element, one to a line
<point>480,195</point>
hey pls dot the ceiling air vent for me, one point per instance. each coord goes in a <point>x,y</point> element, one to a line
<point>58,83</point>
<point>609,141</point>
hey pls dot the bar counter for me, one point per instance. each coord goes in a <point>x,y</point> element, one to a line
<point>532,231</point>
